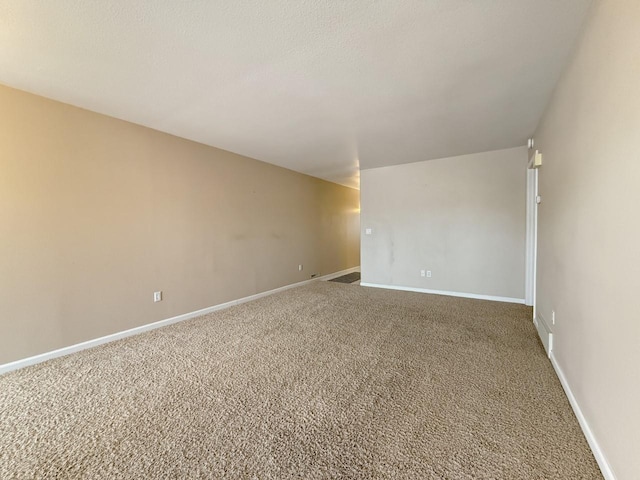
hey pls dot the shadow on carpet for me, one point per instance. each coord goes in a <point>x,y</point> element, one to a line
<point>348,278</point>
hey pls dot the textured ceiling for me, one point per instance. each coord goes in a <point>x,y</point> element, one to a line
<point>321,87</point>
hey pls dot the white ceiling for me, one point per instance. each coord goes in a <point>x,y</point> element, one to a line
<point>320,87</point>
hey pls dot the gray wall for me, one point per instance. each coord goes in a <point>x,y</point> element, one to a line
<point>463,218</point>
<point>589,228</point>
<point>96,214</point>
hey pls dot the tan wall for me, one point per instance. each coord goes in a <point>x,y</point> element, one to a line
<point>462,217</point>
<point>97,213</point>
<point>589,228</point>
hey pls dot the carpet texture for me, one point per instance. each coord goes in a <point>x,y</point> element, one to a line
<point>322,381</point>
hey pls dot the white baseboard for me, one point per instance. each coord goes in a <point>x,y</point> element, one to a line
<point>443,292</point>
<point>607,472</point>
<point>545,334</point>
<point>43,357</point>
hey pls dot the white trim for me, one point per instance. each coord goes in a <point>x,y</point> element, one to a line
<point>606,469</point>
<point>545,333</point>
<point>531,242</point>
<point>443,292</point>
<point>25,362</point>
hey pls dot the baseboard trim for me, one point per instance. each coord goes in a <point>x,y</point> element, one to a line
<point>607,472</point>
<point>545,333</point>
<point>43,357</point>
<point>443,292</point>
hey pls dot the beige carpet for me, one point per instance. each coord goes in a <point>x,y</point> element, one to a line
<point>323,381</point>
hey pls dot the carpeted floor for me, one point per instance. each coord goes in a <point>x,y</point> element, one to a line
<point>322,381</point>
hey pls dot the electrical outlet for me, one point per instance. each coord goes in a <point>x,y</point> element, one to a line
<point>157,296</point>
<point>422,273</point>
<point>428,273</point>
<point>368,231</point>
<point>299,268</point>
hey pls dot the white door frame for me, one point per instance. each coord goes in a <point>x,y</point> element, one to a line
<point>531,243</point>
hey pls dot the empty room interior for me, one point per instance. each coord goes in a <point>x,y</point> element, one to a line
<point>364,239</point>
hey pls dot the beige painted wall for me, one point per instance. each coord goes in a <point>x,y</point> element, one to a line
<point>589,228</point>
<point>97,213</point>
<point>463,218</point>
